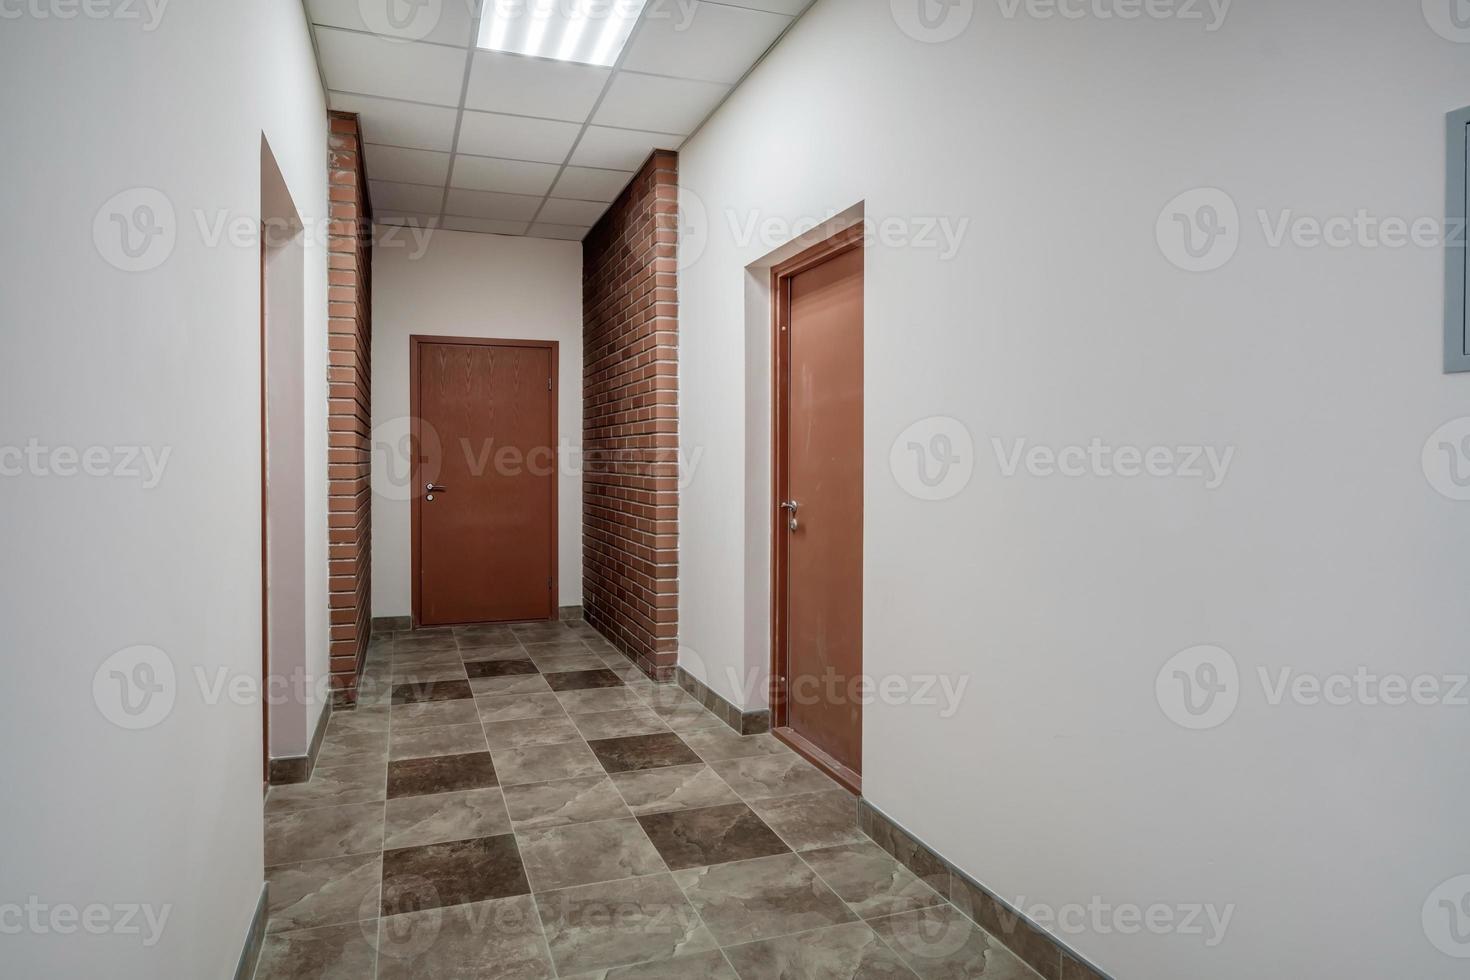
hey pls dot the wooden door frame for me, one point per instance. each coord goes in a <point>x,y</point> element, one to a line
<point>781,276</point>
<point>415,343</point>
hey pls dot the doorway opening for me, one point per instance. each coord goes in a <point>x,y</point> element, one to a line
<point>286,728</point>
<point>817,517</point>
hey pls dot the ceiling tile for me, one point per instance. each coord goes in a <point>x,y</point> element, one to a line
<point>400,123</point>
<point>508,176</point>
<point>620,149</point>
<point>390,196</point>
<point>665,105</point>
<point>560,212</point>
<point>412,219</point>
<point>514,137</point>
<point>485,226</point>
<point>711,41</point>
<point>481,204</point>
<point>412,166</point>
<point>565,233</point>
<point>790,7</point>
<point>441,21</point>
<point>533,86</point>
<point>372,65</point>
<point>587,184</point>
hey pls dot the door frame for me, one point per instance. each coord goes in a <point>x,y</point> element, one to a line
<point>415,343</point>
<point>781,277</point>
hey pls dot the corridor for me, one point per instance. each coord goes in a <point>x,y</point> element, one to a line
<point>518,802</point>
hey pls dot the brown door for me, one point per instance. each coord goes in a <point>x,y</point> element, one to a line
<point>484,546</point>
<point>819,521</point>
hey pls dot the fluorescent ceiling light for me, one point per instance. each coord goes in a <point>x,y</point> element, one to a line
<point>590,32</point>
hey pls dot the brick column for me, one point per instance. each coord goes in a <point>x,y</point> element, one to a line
<point>630,429</point>
<point>349,410</point>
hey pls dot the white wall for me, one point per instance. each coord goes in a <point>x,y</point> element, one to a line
<point>168,359</point>
<point>469,285</point>
<point>1059,778</point>
<point>292,719</point>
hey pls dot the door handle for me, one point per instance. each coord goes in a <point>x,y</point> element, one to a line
<point>791,506</point>
<point>433,488</point>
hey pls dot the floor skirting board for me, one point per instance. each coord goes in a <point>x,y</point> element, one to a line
<point>254,939</point>
<point>744,722</point>
<point>1032,944</point>
<point>297,768</point>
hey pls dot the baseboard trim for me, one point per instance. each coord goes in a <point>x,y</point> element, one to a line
<point>254,939</point>
<point>1033,945</point>
<point>744,722</point>
<point>392,624</point>
<point>569,613</point>
<point>298,768</point>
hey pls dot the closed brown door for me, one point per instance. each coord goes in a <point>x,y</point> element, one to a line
<point>819,525</point>
<point>485,534</point>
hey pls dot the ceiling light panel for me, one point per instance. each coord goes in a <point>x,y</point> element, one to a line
<point>590,32</point>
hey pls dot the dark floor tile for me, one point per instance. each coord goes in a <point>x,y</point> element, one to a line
<point>846,952</point>
<point>941,944</point>
<point>581,680</point>
<point>710,835</point>
<point>329,892</point>
<point>617,923</point>
<point>499,939</point>
<point>440,774</point>
<point>635,752</point>
<point>439,690</point>
<point>583,853</point>
<point>451,873</point>
<point>761,899</point>
<point>498,668</point>
<point>823,819</point>
<point>331,953</point>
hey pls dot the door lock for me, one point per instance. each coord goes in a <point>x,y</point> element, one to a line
<point>791,506</point>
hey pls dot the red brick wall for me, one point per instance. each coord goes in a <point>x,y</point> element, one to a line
<point>349,330</point>
<point>630,499</point>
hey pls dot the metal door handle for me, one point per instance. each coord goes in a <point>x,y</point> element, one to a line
<point>792,506</point>
<point>434,488</point>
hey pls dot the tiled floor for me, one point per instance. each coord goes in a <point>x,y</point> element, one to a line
<point>519,802</point>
